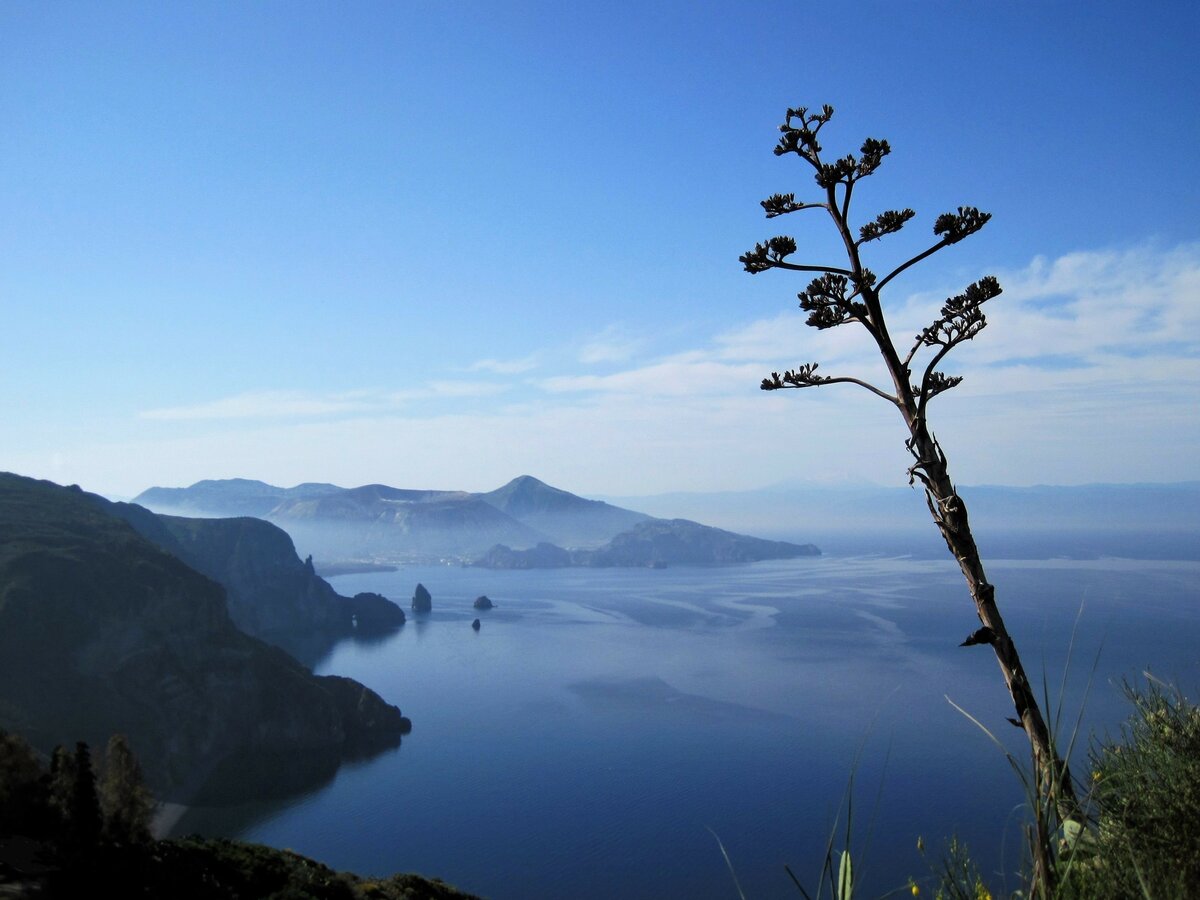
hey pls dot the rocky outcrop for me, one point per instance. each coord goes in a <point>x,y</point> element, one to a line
<point>422,600</point>
<point>270,590</point>
<point>270,593</point>
<point>483,602</point>
<point>372,613</point>
<point>476,625</point>
<point>103,631</point>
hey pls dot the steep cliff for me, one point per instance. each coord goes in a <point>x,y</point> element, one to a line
<point>271,594</point>
<point>102,631</point>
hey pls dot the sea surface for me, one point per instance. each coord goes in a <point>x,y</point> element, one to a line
<point>606,732</point>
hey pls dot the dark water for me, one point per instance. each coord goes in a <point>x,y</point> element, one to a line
<point>584,742</point>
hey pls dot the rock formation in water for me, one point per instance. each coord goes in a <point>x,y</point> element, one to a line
<point>373,613</point>
<point>483,602</point>
<point>422,601</point>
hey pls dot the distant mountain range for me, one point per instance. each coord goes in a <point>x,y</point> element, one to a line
<point>526,523</point>
<point>1144,520</point>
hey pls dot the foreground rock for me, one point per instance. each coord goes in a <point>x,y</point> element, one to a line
<point>102,631</point>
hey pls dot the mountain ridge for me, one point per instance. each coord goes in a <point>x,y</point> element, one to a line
<point>379,523</point>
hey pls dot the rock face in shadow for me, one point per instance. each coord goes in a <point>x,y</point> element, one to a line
<point>103,631</point>
<point>483,602</point>
<point>373,613</point>
<point>270,593</point>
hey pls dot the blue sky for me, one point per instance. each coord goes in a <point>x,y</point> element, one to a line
<point>442,244</point>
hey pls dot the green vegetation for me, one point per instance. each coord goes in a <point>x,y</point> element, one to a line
<point>63,831</point>
<point>1140,838</point>
<point>1144,836</point>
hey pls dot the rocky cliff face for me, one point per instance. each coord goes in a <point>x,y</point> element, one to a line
<point>102,631</point>
<point>270,593</point>
<point>270,590</point>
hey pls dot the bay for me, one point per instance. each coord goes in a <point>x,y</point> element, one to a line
<point>604,727</point>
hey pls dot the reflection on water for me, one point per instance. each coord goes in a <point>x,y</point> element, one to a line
<point>585,739</point>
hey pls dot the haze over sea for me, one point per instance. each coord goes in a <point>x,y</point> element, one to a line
<point>586,739</point>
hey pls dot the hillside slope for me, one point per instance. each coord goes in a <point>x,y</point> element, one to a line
<point>102,631</point>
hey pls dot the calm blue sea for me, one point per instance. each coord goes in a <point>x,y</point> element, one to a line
<point>603,725</point>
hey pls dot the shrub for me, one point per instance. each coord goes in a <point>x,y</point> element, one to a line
<point>1146,800</point>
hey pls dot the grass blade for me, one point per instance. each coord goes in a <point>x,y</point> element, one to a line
<point>729,865</point>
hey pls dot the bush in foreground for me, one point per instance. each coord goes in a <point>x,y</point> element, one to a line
<point>1146,796</point>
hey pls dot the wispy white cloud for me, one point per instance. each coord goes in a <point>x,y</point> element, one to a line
<point>1074,324</point>
<point>683,375</point>
<point>265,405</point>
<point>612,345</point>
<point>1088,371</point>
<point>1086,317</point>
<point>505,366</point>
<point>461,389</point>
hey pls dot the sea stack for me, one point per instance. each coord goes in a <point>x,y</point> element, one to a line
<point>422,601</point>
